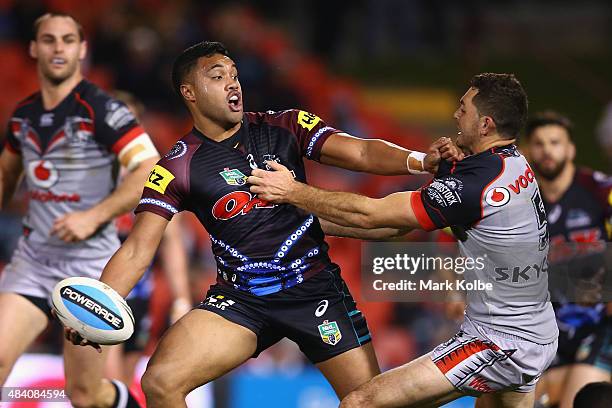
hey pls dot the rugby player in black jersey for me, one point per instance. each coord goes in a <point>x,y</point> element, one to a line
<point>275,279</point>
<point>577,202</point>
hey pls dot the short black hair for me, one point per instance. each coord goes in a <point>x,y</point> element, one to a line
<point>546,118</point>
<point>184,63</point>
<point>46,16</point>
<point>594,395</point>
<point>502,97</point>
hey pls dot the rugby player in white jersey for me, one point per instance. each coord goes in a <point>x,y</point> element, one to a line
<point>509,336</point>
<point>66,139</point>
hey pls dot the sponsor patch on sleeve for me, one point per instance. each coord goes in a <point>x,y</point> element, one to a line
<point>307,120</point>
<point>117,115</point>
<point>159,178</point>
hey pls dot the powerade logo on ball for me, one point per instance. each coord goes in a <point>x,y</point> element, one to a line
<point>83,306</point>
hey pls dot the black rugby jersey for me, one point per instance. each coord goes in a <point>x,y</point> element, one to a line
<point>579,216</point>
<point>259,247</point>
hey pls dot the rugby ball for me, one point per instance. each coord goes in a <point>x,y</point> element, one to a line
<point>93,309</point>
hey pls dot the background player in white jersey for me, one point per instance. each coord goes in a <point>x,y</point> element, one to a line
<point>577,202</point>
<point>508,337</point>
<point>66,138</point>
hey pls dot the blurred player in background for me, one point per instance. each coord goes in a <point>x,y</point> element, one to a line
<point>577,202</point>
<point>509,336</point>
<point>275,278</point>
<point>66,138</point>
<point>173,260</point>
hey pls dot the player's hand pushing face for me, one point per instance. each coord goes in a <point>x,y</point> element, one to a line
<point>441,149</point>
<point>75,226</point>
<point>274,186</point>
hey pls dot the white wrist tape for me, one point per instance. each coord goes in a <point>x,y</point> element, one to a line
<point>419,157</point>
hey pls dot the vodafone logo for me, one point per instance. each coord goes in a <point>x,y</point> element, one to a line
<point>43,173</point>
<point>497,196</point>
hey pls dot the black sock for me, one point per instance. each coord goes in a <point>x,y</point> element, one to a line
<point>123,396</point>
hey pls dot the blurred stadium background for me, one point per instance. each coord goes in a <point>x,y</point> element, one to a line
<point>375,68</point>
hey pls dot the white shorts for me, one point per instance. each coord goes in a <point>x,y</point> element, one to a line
<point>31,274</point>
<point>479,359</point>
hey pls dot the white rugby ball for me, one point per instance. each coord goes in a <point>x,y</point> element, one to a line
<point>93,309</point>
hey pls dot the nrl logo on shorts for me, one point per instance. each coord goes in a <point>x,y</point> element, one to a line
<point>219,301</point>
<point>330,332</point>
<point>233,177</point>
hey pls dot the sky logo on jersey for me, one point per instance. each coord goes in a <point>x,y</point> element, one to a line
<point>330,332</point>
<point>159,178</point>
<point>497,196</point>
<point>233,177</point>
<point>307,120</point>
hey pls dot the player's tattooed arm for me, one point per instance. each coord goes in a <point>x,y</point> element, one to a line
<point>11,169</point>
<point>378,156</point>
<point>347,209</point>
<point>376,234</point>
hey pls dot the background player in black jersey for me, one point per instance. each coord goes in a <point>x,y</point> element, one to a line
<point>67,139</point>
<point>275,279</point>
<point>577,206</point>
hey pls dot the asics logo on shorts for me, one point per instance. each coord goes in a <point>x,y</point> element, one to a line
<point>321,308</point>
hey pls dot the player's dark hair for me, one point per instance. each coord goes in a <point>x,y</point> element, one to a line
<point>46,16</point>
<point>594,395</point>
<point>546,118</point>
<point>184,63</point>
<point>502,97</point>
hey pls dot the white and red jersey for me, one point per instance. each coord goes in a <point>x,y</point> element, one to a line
<point>493,203</point>
<point>70,163</point>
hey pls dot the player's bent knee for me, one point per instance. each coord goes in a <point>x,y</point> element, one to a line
<point>356,399</point>
<point>153,384</point>
<point>158,385</point>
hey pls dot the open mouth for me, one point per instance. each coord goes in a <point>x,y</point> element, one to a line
<point>235,102</point>
<point>58,61</point>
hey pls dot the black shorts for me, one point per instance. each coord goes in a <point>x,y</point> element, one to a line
<point>588,345</point>
<point>142,325</point>
<point>319,315</point>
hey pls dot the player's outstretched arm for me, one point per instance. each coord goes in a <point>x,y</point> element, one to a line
<point>347,209</point>
<point>129,263</point>
<point>378,156</point>
<point>11,168</point>
<point>375,234</point>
